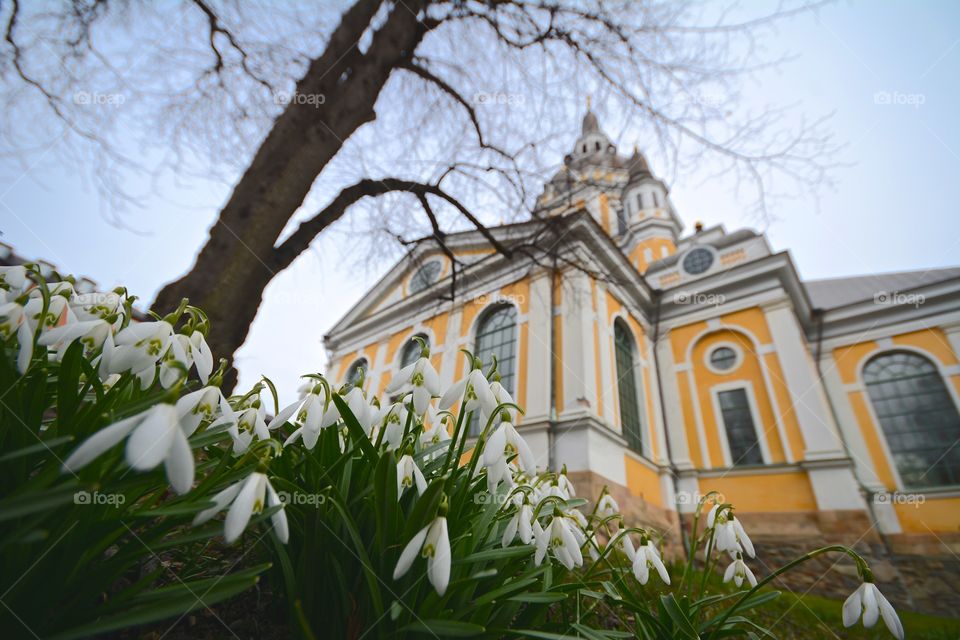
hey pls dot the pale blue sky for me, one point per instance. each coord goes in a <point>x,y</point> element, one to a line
<point>895,207</point>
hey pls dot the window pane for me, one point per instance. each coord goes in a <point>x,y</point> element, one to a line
<point>723,358</point>
<point>353,373</point>
<point>628,392</point>
<point>697,261</point>
<point>425,276</point>
<point>738,423</point>
<point>497,336</point>
<point>917,416</point>
<point>411,351</point>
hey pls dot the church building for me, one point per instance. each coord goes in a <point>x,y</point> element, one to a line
<point>666,362</point>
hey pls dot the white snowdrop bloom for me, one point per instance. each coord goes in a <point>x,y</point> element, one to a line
<point>155,436</point>
<point>95,305</point>
<point>423,381</point>
<point>433,543</point>
<point>13,320</point>
<point>201,405</point>
<point>506,442</point>
<point>435,434</point>
<point>558,538</point>
<point>176,361</point>
<point>361,409</point>
<point>867,601</point>
<point>565,485</point>
<point>593,546</point>
<point>499,472</point>
<point>520,523</point>
<point>392,419</point>
<point>13,277</point>
<point>625,543</point>
<point>245,498</point>
<point>202,356</point>
<point>58,313</point>
<point>500,393</point>
<point>407,473</point>
<point>737,571</point>
<point>310,414</point>
<point>254,420</point>
<point>607,506</point>
<point>730,536</point>
<point>139,346</point>
<point>647,557</point>
<point>475,392</point>
<point>91,333</point>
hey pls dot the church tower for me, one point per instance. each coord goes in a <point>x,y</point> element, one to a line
<point>647,225</point>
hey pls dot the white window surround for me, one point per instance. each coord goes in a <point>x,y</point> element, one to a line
<point>729,345</point>
<point>747,386</point>
<point>713,265</point>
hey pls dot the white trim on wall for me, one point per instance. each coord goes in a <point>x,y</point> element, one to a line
<point>758,426</point>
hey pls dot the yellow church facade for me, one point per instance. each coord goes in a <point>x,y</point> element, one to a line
<point>666,365</point>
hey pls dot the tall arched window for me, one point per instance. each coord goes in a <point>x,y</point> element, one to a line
<point>412,350</point>
<point>353,373</point>
<point>497,336</point>
<point>627,388</point>
<point>918,417</point>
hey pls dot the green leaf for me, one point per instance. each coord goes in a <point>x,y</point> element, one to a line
<point>445,628</point>
<point>681,622</point>
<point>539,597</point>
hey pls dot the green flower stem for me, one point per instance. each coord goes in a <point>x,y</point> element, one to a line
<point>453,443</point>
<point>861,567</point>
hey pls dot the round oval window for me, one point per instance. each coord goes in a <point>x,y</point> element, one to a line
<point>723,358</point>
<point>697,261</point>
<point>425,276</point>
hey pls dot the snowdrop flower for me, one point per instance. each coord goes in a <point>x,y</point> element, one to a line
<point>176,362</point>
<point>648,557</point>
<point>92,333</point>
<point>437,432</point>
<point>58,312</point>
<point>245,498</point>
<point>593,546</point>
<point>13,277</point>
<point>433,543</point>
<point>738,570</point>
<point>505,443</point>
<point>392,420</point>
<point>139,347</point>
<point>474,390</point>
<point>558,538</point>
<point>626,545</point>
<point>565,485</point>
<point>253,420</point>
<point>202,356</point>
<point>519,523</point>
<point>729,533</point>
<point>422,378</point>
<point>607,506</point>
<point>871,604</point>
<point>312,414</point>
<point>499,472</point>
<point>13,320</point>
<point>203,405</point>
<point>155,437</point>
<point>407,473</point>
<point>95,305</point>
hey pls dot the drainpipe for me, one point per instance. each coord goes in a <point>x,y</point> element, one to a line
<point>658,294</point>
<point>552,370</point>
<point>817,314</point>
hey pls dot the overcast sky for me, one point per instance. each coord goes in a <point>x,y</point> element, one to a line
<point>888,71</point>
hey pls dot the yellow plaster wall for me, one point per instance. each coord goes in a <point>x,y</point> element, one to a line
<point>655,245</point>
<point>643,481</point>
<point>933,515</point>
<point>766,492</point>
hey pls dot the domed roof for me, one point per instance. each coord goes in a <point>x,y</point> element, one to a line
<point>590,124</point>
<point>637,167</point>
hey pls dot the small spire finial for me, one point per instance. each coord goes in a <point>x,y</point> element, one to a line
<point>589,100</point>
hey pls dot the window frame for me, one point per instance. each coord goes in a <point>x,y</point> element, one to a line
<point>737,362</point>
<point>409,345</point>
<point>485,315</point>
<point>721,426</point>
<point>871,410</point>
<point>427,263</point>
<point>354,365</point>
<point>636,369</point>
<point>713,261</point>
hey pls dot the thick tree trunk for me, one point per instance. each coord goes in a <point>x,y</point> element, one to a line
<point>238,261</point>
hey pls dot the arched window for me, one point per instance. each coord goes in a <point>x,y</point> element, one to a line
<point>353,373</point>
<point>497,336</point>
<point>425,276</point>
<point>411,351</point>
<point>918,417</point>
<point>627,388</point>
<point>621,222</point>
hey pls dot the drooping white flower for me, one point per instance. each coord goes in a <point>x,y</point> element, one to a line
<point>13,320</point>
<point>593,546</point>
<point>311,414</point>
<point>202,356</point>
<point>95,305</point>
<point>648,557</point>
<point>57,314</point>
<point>139,346</point>
<point>625,543</point>
<point>435,433</point>
<point>867,601</point>
<point>565,485</point>
<point>13,277</point>
<point>391,419</point>
<point>738,570</point>
<point>407,473</point>
<point>155,436</point>
<point>201,405</point>
<point>607,506</point>
<point>506,442</point>
<point>558,538</point>
<point>423,380</point>
<point>520,523</point>
<point>729,534</point>
<point>475,392</point>
<point>433,543</point>
<point>176,361</point>
<point>250,422</point>
<point>91,333</point>
<point>246,497</point>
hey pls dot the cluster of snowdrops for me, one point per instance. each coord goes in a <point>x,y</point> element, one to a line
<point>420,431</point>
